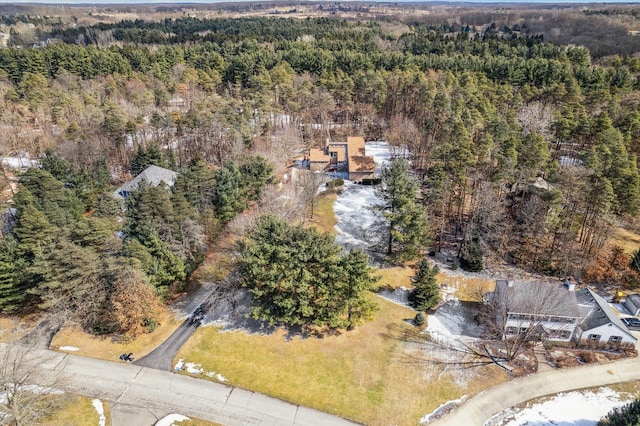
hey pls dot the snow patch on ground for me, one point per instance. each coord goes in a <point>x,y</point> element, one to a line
<point>97,405</point>
<point>193,368</point>
<point>400,295</point>
<point>443,409</point>
<point>171,420</point>
<point>69,348</point>
<point>576,408</point>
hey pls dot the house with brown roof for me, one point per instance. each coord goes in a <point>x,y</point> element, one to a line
<point>346,156</point>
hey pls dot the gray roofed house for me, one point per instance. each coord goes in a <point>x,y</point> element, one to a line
<point>522,306</point>
<point>600,324</point>
<point>632,303</point>
<point>563,314</point>
<point>152,175</point>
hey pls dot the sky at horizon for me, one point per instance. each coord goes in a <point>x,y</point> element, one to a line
<point>132,2</point>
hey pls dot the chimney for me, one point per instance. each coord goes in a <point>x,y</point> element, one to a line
<point>570,284</point>
<point>510,280</point>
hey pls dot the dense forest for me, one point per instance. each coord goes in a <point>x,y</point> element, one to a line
<point>525,150</point>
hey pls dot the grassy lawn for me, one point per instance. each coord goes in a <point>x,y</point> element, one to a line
<point>78,411</point>
<point>628,240</point>
<point>106,348</point>
<point>369,374</point>
<point>323,217</point>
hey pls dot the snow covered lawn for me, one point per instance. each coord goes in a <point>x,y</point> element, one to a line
<point>575,408</point>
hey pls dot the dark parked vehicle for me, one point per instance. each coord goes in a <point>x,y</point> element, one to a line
<point>631,323</point>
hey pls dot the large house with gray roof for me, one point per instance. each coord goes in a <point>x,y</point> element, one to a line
<point>557,312</point>
<point>152,176</point>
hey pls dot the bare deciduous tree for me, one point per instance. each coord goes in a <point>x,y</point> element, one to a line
<point>309,184</point>
<point>521,313</point>
<point>27,393</point>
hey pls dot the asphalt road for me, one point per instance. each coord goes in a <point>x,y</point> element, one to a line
<point>136,389</point>
<point>161,358</point>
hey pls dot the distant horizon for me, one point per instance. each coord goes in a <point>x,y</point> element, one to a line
<point>200,2</point>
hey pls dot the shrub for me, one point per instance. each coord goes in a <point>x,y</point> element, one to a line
<point>335,183</point>
<point>419,319</point>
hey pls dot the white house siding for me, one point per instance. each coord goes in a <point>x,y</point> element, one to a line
<point>605,331</point>
<point>555,329</point>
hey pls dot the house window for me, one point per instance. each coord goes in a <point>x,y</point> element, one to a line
<point>333,154</point>
<point>512,330</point>
<point>615,339</point>
<point>594,338</point>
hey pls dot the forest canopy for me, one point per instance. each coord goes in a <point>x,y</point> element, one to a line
<point>521,149</point>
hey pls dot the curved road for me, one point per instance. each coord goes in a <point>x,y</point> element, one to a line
<point>161,392</point>
<point>477,410</point>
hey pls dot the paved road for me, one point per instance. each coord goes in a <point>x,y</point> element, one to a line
<point>477,410</point>
<point>158,393</point>
<point>162,357</point>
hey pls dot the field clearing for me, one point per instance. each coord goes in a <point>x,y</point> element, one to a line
<point>105,348</point>
<point>371,374</point>
<point>78,411</point>
<point>628,240</point>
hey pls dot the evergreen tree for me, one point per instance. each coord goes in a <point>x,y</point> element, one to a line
<point>407,227</point>
<point>297,277</point>
<point>426,293</point>
<point>151,156</point>
<point>229,194</point>
<point>256,172</point>
<point>471,256</point>
<point>12,285</point>
<point>627,415</point>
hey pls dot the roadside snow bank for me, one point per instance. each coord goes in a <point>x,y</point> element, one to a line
<point>69,348</point>
<point>193,368</point>
<point>171,420</point>
<point>99,407</point>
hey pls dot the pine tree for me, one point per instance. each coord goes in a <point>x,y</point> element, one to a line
<point>426,293</point>
<point>407,227</point>
<point>12,284</point>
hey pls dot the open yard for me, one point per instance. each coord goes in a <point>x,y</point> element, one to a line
<point>373,374</point>
<point>72,339</point>
<point>78,411</point>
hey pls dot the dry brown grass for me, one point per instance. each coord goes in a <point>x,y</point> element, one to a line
<point>399,276</point>
<point>12,328</point>
<point>324,219</point>
<point>628,240</point>
<point>367,374</point>
<point>467,289</point>
<point>106,348</point>
<point>78,411</point>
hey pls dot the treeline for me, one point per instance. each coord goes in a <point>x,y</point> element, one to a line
<point>108,264</point>
<point>526,150</point>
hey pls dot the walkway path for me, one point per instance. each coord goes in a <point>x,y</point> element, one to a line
<point>160,393</point>
<point>477,410</point>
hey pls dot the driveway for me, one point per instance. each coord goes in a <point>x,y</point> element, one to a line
<point>477,410</point>
<point>161,392</point>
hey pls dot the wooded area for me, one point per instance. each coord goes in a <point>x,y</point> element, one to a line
<point>525,150</point>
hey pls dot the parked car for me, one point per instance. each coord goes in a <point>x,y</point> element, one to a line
<point>632,323</point>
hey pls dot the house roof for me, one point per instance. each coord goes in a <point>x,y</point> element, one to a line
<point>355,145</point>
<point>537,298</point>
<point>153,175</point>
<point>361,163</point>
<point>600,313</point>
<point>634,299</point>
<point>318,155</point>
